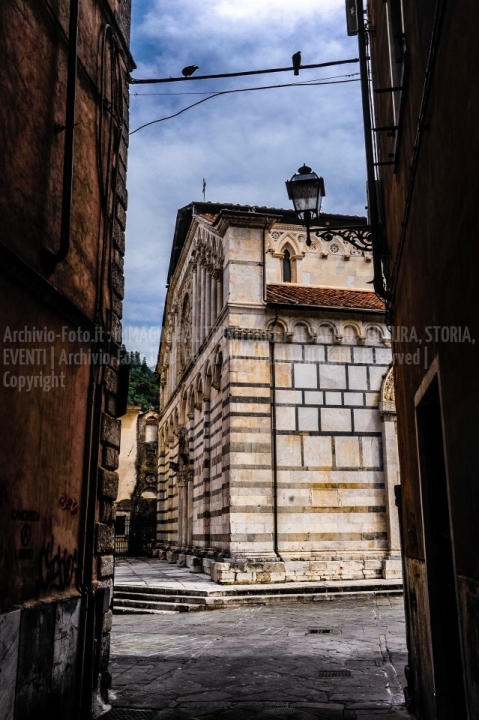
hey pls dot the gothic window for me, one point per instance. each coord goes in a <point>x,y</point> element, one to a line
<point>286,266</point>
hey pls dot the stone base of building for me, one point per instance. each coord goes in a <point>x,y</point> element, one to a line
<point>392,567</point>
<point>271,569</point>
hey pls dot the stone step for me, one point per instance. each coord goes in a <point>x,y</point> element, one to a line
<point>146,599</point>
<point>136,611</point>
<point>159,596</point>
<point>153,603</point>
<point>342,587</point>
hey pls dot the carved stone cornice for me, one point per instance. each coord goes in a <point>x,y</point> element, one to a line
<point>240,218</point>
<point>237,333</point>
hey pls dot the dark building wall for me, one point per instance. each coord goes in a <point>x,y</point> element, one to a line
<point>431,199</point>
<point>60,333</point>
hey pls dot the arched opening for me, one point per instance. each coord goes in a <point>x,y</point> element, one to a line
<point>151,430</point>
<point>286,266</point>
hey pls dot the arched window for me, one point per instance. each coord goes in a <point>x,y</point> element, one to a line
<point>286,266</point>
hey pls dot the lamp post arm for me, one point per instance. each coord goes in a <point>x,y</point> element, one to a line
<point>359,237</point>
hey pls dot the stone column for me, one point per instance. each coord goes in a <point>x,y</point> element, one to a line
<point>182,509</point>
<point>213,313</point>
<point>206,472</point>
<point>194,307</point>
<point>392,565</point>
<point>219,292</point>
<point>207,300</point>
<point>202,305</point>
<point>176,346</point>
<point>391,478</point>
<point>189,511</point>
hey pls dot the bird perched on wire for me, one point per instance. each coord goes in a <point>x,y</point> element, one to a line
<point>296,62</point>
<point>189,70</point>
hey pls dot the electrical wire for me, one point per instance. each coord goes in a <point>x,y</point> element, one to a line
<point>189,78</point>
<point>229,92</point>
<point>304,82</point>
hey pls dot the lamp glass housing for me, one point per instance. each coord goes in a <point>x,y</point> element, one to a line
<point>306,190</point>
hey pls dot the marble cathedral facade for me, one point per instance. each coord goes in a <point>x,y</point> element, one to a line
<point>277,442</point>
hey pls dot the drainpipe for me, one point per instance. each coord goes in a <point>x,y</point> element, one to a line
<point>274,452</point>
<point>50,259</point>
<point>274,463</point>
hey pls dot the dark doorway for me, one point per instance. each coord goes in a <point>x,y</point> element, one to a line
<point>443,606</point>
<point>134,536</point>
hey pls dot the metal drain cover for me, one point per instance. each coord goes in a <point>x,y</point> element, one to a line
<point>334,673</point>
<point>319,631</point>
<point>128,714</point>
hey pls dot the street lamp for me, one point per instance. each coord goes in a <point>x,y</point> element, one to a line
<point>306,190</point>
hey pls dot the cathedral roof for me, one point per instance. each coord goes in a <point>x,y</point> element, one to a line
<point>291,294</point>
<point>218,213</point>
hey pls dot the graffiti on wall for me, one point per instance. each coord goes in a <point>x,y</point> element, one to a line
<point>56,570</point>
<point>26,517</point>
<point>70,504</point>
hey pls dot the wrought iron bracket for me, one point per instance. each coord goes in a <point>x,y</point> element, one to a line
<point>358,237</point>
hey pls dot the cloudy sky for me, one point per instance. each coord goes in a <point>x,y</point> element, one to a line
<point>244,144</point>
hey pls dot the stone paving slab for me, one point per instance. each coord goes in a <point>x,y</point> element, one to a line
<point>262,662</point>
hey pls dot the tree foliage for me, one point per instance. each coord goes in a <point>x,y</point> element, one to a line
<point>143,389</point>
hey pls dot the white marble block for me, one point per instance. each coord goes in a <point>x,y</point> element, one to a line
<point>317,451</point>
<point>366,420</point>
<point>285,418</point>
<point>336,419</point>
<point>358,377</point>
<point>308,419</point>
<point>332,376</point>
<point>347,452</point>
<point>371,452</point>
<point>305,375</point>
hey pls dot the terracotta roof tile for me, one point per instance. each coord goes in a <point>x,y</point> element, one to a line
<point>327,297</point>
<point>209,216</point>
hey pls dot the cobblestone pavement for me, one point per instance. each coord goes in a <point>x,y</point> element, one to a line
<point>263,662</point>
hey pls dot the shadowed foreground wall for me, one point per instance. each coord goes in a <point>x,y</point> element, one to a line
<point>60,333</point>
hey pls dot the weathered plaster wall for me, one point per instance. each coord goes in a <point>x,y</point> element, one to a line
<point>56,507</point>
<point>128,450</point>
